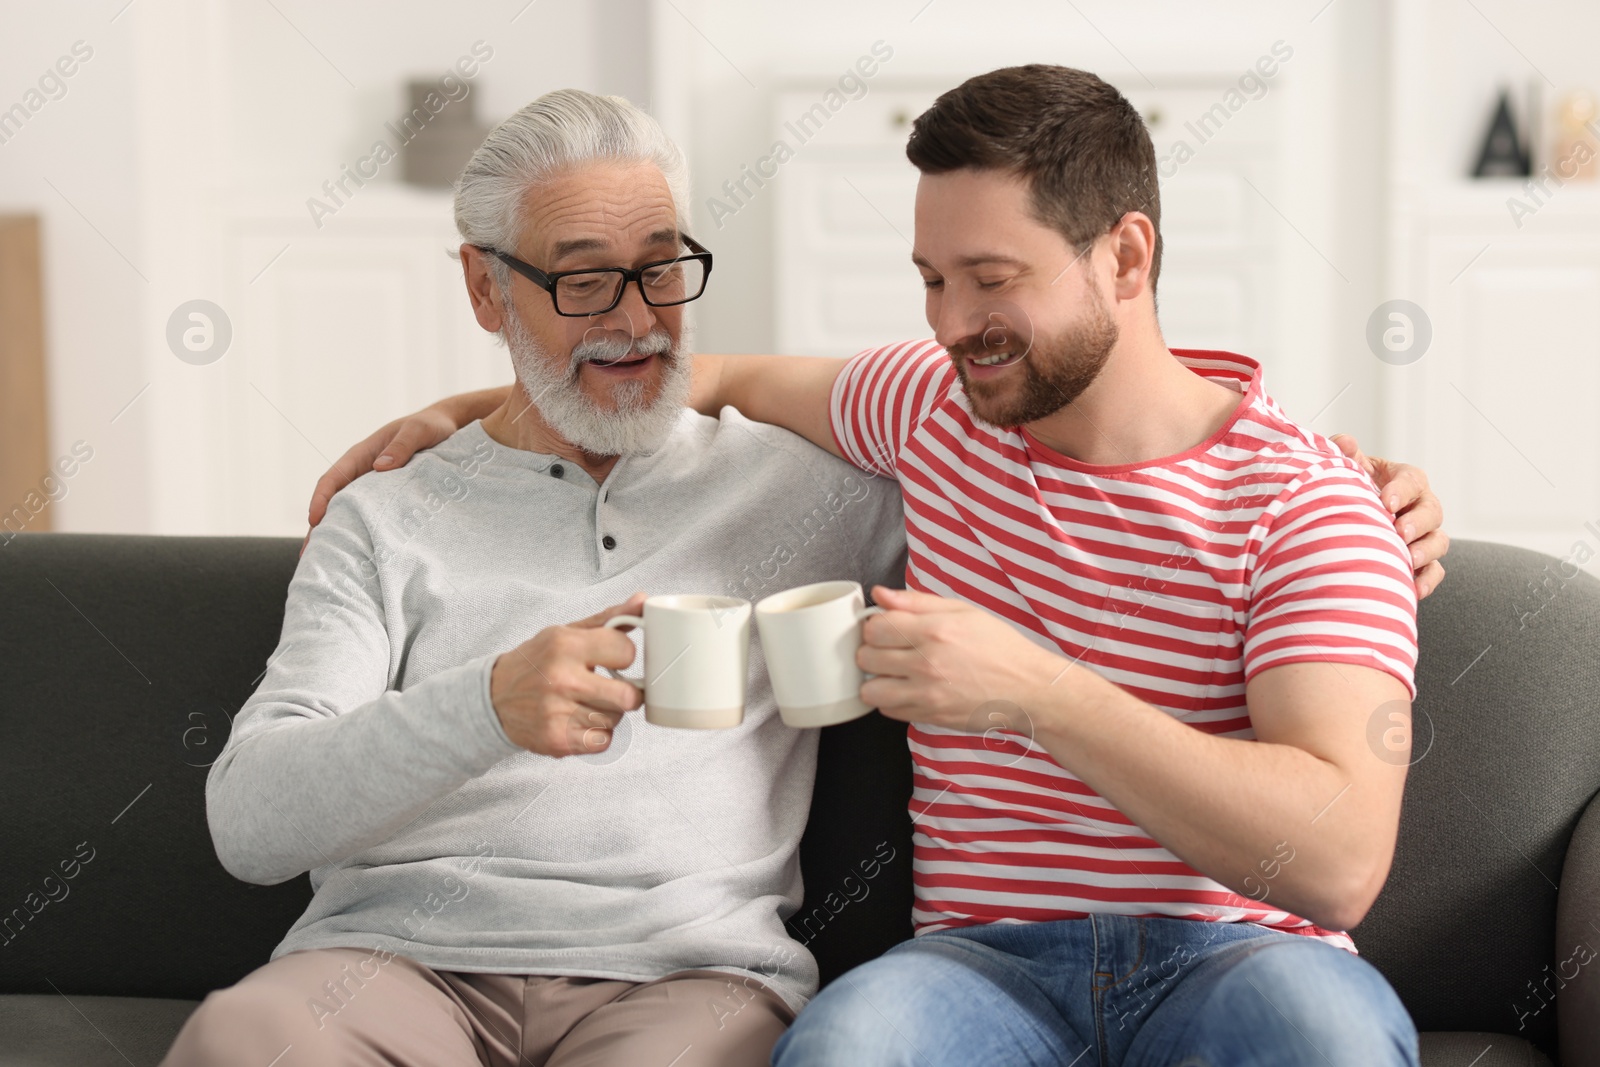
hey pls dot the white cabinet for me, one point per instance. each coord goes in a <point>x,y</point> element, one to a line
<point>1503,409</point>
<point>844,279</point>
<point>350,326</point>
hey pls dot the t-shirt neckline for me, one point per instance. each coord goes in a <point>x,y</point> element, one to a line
<point>1189,357</point>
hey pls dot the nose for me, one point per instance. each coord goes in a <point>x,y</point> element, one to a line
<point>951,317</point>
<point>631,313</point>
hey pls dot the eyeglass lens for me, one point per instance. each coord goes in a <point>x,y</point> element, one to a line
<point>669,283</point>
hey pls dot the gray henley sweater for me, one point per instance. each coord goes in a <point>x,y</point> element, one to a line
<point>371,755</point>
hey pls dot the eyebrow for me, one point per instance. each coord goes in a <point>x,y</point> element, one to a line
<point>973,260</point>
<point>564,249</point>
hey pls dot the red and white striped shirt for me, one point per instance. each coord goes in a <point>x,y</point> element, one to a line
<point>1178,579</point>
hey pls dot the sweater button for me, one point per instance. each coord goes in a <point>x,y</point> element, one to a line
<point>609,541</point>
<point>557,470</point>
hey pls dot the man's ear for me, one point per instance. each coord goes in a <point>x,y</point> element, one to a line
<point>1133,243</point>
<point>487,307</point>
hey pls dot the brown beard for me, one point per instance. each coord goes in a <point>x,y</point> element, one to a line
<point>1054,371</point>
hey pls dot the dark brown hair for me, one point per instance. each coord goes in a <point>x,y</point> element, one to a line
<point>1082,148</point>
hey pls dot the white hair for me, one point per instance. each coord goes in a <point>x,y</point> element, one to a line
<point>561,130</point>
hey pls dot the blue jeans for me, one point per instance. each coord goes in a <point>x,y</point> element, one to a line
<point>1108,991</point>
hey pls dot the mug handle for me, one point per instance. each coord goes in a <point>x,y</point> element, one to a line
<point>611,624</point>
<point>863,615</point>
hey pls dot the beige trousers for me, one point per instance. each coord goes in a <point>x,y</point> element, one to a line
<point>368,1006</point>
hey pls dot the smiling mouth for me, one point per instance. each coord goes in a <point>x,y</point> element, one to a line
<point>633,359</point>
<point>996,359</point>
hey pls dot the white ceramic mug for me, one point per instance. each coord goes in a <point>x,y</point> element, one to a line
<point>809,635</point>
<point>696,659</point>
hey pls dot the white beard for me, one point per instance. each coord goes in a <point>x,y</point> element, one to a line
<point>635,426</point>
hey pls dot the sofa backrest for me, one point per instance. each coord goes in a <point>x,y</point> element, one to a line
<point>1506,739</point>
<point>122,660</point>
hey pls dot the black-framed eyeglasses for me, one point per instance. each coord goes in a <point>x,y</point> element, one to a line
<point>576,293</point>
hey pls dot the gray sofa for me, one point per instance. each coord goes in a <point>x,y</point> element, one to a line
<point>123,658</point>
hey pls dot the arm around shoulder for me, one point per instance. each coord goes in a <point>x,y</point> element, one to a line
<point>793,392</point>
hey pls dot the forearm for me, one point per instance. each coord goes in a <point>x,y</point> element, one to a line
<point>464,407</point>
<point>705,391</point>
<point>298,788</point>
<point>723,380</point>
<point>788,391</point>
<point>1231,809</point>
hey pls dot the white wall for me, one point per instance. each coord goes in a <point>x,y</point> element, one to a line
<point>192,114</point>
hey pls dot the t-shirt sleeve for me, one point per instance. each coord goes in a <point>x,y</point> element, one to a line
<point>1332,582</point>
<point>881,395</point>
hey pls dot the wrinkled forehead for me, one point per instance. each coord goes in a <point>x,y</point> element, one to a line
<point>601,210</point>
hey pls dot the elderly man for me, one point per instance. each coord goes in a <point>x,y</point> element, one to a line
<point>508,866</point>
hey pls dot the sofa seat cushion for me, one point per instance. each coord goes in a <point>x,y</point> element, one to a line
<point>1467,1048</point>
<point>82,1031</point>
